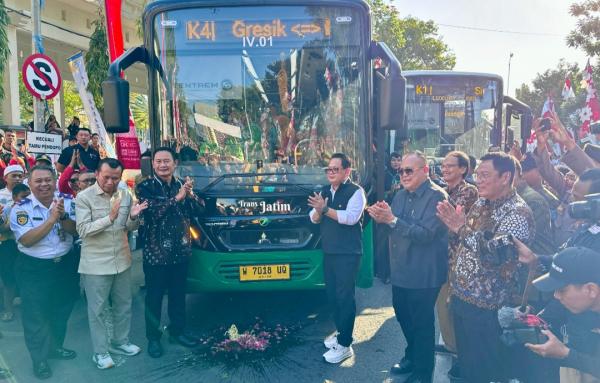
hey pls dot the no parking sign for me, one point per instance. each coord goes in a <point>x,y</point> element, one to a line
<point>41,76</point>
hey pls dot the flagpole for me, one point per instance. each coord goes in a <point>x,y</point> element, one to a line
<point>508,77</point>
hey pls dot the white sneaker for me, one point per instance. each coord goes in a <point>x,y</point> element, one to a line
<point>331,341</point>
<point>103,361</point>
<point>128,349</point>
<point>338,353</point>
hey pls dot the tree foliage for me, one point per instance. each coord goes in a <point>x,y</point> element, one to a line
<point>4,49</point>
<point>97,61</point>
<point>416,43</point>
<point>551,83</point>
<point>586,35</point>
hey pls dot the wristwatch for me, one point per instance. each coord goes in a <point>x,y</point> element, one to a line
<point>393,223</point>
<point>325,210</point>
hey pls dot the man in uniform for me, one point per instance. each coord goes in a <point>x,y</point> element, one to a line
<point>46,270</point>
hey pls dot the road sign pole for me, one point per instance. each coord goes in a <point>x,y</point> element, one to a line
<point>36,42</point>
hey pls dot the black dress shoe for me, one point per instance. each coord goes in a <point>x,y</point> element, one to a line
<point>404,367</point>
<point>155,349</point>
<point>418,378</point>
<point>62,353</point>
<point>42,370</point>
<point>184,340</point>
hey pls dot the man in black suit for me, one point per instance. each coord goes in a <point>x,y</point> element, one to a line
<point>419,262</point>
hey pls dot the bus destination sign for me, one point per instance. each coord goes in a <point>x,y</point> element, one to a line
<point>452,94</point>
<point>256,33</point>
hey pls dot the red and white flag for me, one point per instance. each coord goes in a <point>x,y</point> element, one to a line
<point>567,92</point>
<point>591,111</point>
<point>547,111</point>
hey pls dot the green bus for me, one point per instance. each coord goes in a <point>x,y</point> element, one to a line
<point>467,111</point>
<point>258,95</point>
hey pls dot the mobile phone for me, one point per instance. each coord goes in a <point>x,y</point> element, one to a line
<point>545,124</point>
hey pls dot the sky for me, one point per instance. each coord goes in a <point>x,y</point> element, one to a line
<point>483,51</point>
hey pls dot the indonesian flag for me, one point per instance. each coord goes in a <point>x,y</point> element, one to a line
<point>567,92</point>
<point>591,111</point>
<point>547,111</point>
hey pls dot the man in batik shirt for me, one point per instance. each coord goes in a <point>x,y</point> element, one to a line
<point>484,274</point>
<point>167,247</point>
<point>455,168</point>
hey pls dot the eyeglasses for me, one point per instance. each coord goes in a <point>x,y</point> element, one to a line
<point>407,171</point>
<point>332,170</point>
<point>90,181</point>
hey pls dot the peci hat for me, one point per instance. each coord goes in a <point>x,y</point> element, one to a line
<point>13,169</point>
<point>571,266</point>
<point>43,157</point>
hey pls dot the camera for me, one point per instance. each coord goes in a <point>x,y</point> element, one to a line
<point>520,328</point>
<point>545,124</point>
<point>595,127</point>
<point>588,209</point>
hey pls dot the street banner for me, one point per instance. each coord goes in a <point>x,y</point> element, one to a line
<point>45,143</point>
<point>77,66</point>
<point>128,147</point>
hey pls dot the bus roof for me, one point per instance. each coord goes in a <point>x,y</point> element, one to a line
<point>448,73</point>
<point>216,3</point>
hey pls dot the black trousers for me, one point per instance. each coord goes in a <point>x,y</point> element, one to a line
<point>340,280</point>
<point>481,354</point>
<point>414,310</point>
<point>48,292</point>
<point>161,279</point>
<point>382,253</point>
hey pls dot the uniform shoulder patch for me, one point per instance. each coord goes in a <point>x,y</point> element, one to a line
<point>22,218</point>
<point>23,201</point>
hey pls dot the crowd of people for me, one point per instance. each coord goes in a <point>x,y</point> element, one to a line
<point>60,234</point>
<point>470,243</point>
<point>467,243</point>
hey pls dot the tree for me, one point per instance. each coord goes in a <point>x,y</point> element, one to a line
<point>586,35</point>
<point>73,104</point>
<point>97,62</point>
<point>25,102</point>
<point>415,42</point>
<point>139,110</point>
<point>550,83</point>
<point>4,50</point>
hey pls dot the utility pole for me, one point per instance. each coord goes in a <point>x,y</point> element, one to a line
<point>36,45</point>
<point>508,79</point>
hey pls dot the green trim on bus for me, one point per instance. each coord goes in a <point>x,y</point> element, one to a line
<point>217,271</point>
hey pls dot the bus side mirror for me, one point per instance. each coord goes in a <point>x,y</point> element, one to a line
<point>390,90</point>
<point>391,95</point>
<point>116,104</point>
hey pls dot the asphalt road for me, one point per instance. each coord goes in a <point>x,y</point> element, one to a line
<point>378,342</point>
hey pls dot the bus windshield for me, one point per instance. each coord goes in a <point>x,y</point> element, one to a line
<point>451,113</point>
<point>261,90</point>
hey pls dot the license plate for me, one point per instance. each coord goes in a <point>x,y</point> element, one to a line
<point>264,272</point>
